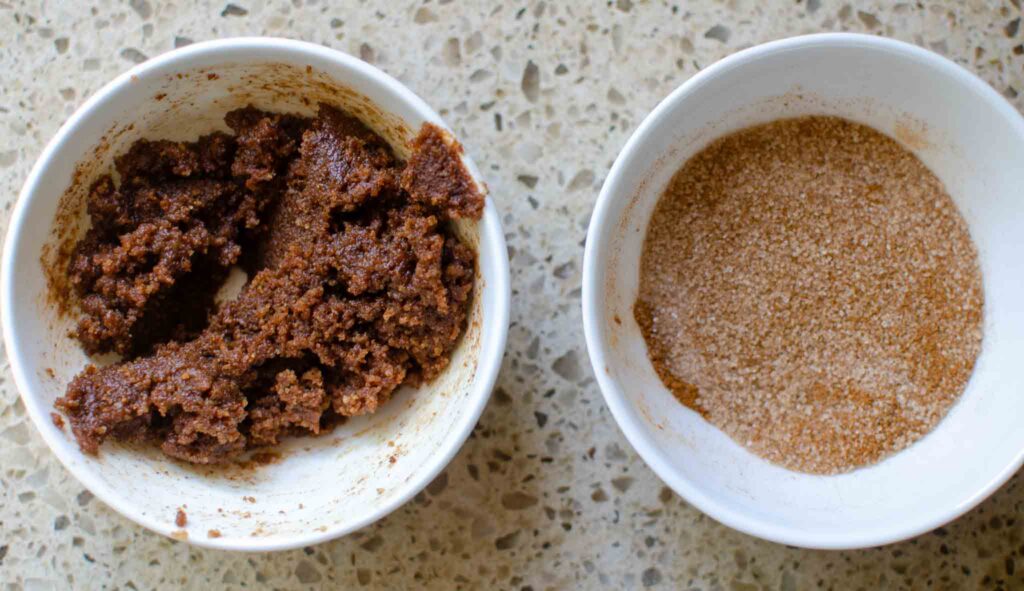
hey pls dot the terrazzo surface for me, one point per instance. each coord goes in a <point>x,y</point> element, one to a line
<point>546,494</point>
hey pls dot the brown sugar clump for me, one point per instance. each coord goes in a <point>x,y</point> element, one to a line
<point>358,282</point>
<point>809,287</point>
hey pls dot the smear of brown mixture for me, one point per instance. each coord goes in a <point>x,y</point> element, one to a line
<point>358,283</point>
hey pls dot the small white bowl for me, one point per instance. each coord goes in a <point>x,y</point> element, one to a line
<point>322,487</point>
<point>973,140</point>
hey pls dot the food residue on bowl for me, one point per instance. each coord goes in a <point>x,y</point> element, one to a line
<point>810,288</point>
<point>358,282</point>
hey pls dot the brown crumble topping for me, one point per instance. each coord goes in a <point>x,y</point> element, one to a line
<point>357,282</point>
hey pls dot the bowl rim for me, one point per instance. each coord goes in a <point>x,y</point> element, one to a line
<point>498,288</point>
<point>595,259</point>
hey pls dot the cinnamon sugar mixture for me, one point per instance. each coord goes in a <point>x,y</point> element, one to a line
<point>809,287</point>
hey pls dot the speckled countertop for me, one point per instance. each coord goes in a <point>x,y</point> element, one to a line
<point>546,493</point>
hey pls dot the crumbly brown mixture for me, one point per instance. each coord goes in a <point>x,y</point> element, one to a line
<point>358,284</point>
<point>810,288</point>
<point>163,240</point>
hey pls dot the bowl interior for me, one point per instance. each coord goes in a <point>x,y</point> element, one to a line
<point>315,487</point>
<point>967,135</point>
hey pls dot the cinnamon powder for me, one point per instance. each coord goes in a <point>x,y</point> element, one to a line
<point>810,288</point>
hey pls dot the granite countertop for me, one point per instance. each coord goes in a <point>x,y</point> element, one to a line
<point>546,493</point>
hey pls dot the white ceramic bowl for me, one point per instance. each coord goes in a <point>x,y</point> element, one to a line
<point>973,140</point>
<point>322,487</point>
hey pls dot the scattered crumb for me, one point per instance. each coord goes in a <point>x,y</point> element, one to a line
<point>181,519</point>
<point>213,533</point>
<point>265,457</point>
